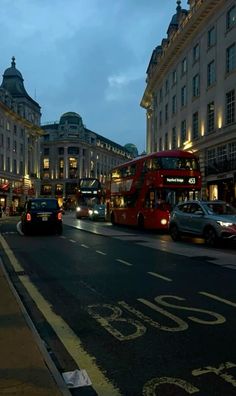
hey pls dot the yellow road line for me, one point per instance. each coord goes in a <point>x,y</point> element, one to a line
<point>69,339</point>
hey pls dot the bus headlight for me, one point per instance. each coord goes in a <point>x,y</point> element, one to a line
<point>163,221</point>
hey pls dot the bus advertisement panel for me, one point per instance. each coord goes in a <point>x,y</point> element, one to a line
<point>142,191</point>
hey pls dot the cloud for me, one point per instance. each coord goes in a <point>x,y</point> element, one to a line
<point>88,56</point>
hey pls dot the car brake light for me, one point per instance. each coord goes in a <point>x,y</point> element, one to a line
<point>59,216</point>
<point>28,217</point>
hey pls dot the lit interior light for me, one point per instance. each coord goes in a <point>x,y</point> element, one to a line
<point>219,121</point>
<point>202,129</point>
<point>187,144</point>
<point>189,134</point>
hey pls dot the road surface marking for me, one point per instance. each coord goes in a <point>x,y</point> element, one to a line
<point>15,264</point>
<point>67,336</point>
<point>99,252</point>
<point>160,276</point>
<point>72,240</point>
<point>124,262</point>
<point>85,246</point>
<point>233,304</point>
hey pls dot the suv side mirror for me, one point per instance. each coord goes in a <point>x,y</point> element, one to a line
<point>199,213</point>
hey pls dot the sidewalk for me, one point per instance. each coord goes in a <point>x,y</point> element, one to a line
<point>26,369</point>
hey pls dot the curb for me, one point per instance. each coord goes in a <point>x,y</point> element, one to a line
<point>46,356</point>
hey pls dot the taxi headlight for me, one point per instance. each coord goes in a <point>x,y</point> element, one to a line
<point>90,212</point>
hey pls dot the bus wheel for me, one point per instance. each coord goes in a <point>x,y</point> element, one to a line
<point>113,219</point>
<point>140,221</point>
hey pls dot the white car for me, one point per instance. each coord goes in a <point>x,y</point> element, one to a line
<point>98,212</point>
<point>212,220</point>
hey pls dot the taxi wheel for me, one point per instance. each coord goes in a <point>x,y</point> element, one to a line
<point>24,229</point>
<point>59,230</point>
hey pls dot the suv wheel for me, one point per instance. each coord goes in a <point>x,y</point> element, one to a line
<point>174,232</point>
<point>210,236</point>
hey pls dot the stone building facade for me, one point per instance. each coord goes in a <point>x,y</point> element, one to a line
<point>70,151</point>
<point>46,160</point>
<point>190,92</point>
<point>20,134</point>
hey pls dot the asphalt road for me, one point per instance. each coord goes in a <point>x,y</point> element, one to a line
<point>142,315</point>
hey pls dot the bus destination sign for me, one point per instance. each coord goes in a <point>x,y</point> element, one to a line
<point>180,180</point>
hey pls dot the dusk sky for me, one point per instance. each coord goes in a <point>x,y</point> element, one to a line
<point>86,56</point>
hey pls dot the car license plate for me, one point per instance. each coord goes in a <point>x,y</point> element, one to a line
<point>44,218</point>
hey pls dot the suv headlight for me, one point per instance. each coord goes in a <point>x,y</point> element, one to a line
<point>224,223</point>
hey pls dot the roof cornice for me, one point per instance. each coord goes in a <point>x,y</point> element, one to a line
<point>185,33</point>
<point>34,129</point>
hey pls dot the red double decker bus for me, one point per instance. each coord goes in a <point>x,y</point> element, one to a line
<point>142,191</point>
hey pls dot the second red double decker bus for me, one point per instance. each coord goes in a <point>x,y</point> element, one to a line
<point>142,191</point>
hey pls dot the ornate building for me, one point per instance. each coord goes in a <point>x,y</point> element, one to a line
<point>190,92</point>
<point>19,141</point>
<point>71,151</point>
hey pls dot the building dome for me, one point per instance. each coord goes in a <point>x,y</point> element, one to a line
<point>13,83</point>
<point>12,71</point>
<point>71,118</point>
<point>174,24</point>
<point>132,149</point>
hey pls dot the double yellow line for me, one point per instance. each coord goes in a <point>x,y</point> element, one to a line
<point>69,339</point>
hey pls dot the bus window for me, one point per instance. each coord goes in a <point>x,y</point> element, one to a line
<point>156,163</point>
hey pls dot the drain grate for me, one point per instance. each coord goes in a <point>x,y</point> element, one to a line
<point>21,273</point>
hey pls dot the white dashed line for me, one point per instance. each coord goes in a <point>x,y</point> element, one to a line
<point>124,262</point>
<point>99,252</point>
<point>72,240</point>
<point>160,276</point>
<point>85,246</point>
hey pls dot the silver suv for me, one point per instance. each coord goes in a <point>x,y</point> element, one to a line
<point>212,220</point>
